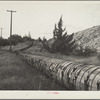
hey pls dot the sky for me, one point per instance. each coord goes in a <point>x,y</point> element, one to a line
<point>39,17</point>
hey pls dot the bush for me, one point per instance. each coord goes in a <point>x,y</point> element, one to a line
<point>4,42</point>
<point>46,45</point>
<point>39,39</point>
<point>26,38</point>
<point>16,38</point>
<point>86,52</point>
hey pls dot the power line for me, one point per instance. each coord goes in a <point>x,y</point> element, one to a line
<point>1,32</point>
<point>11,11</point>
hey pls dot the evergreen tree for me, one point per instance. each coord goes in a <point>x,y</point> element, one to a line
<point>63,42</point>
<point>29,35</point>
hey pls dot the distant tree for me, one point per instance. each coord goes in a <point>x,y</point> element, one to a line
<point>39,39</point>
<point>27,38</point>
<point>29,35</point>
<point>16,39</point>
<point>4,42</point>
<point>44,39</point>
<point>63,42</point>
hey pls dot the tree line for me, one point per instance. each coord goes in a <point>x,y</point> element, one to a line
<point>15,39</point>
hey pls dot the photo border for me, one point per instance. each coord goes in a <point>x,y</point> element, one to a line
<point>49,95</point>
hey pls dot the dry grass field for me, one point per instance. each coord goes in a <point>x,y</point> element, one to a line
<point>36,49</point>
<point>16,74</point>
<point>18,46</point>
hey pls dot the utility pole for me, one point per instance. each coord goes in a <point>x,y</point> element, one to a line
<point>1,32</point>
<point>11,11</point>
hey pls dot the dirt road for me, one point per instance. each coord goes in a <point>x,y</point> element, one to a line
<point>15,74</point>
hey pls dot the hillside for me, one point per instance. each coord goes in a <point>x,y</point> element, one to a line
<point>89,37</point>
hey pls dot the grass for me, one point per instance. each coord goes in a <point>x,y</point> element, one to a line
<point>35,49</point>
<point>18,46</point>
<point>15,74</point>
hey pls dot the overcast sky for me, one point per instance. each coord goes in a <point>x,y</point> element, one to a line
<point>39,17</point>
